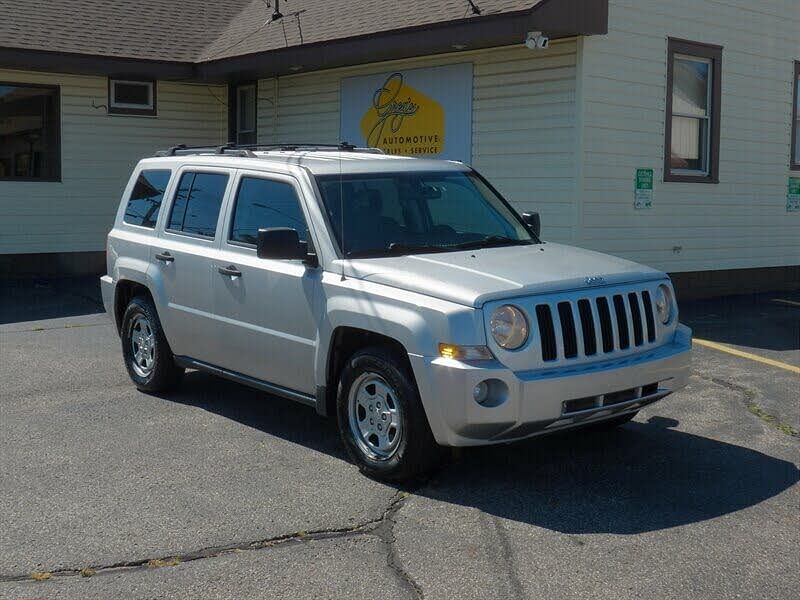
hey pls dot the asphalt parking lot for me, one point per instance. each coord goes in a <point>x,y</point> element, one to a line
<point>219,491</point>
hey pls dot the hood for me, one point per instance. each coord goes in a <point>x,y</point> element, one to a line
<point>474,277</point>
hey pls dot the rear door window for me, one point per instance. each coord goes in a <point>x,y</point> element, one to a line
<point>145,200</point>
<point>197,203</point>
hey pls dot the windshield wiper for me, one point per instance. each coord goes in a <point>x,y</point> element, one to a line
<point>402,248</point>
<point>490,241</point>
<point>399,248</point>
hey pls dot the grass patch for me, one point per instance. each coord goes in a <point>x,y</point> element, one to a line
<point>40,575</point>
<point>157,563</point>
<point>87,572</point>
<point>772,420</point>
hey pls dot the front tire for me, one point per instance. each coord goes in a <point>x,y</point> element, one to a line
<point>381,419</point>
<point>148,357</point>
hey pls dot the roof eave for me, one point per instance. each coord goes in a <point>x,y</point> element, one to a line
<point>557,18</point>
<point>92,64</point>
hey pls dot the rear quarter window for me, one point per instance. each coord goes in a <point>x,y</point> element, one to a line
<point>145,199</point>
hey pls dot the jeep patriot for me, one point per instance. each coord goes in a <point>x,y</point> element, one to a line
<point>403,296</point>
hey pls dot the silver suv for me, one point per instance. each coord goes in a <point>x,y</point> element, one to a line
<point>405,296</point>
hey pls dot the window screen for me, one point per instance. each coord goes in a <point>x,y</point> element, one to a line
<point>132,97</point>
<point>692,135</point>
<point>246,114</point>
<point>146,197</point>
<point>263,203</point>
<point>195,209</point>
<point>691,114</point>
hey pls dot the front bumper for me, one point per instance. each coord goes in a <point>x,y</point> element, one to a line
<point>543,401</point>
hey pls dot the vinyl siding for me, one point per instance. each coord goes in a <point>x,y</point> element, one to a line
<point>523,123</point>
<point>740,222</point>
<point>98,152</point>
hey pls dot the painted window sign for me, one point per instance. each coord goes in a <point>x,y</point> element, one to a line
<point>413,112</point>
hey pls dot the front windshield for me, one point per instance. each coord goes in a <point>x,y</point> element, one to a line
<point>417,212</point>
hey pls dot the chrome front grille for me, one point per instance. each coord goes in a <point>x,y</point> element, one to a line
<point>590,327</point>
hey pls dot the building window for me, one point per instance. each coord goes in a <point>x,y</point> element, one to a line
<point>30,148</point>
<point>126,97</point>
<point>691,148</point>
<point>244,103</point>
<point>796,119</point>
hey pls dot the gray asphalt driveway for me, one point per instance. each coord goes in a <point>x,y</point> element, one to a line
<point>218,491</point>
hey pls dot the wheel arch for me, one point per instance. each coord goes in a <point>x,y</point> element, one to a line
<point>345,341</point>
<point>124,292</point>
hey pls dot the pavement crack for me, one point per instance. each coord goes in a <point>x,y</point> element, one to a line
<point>39,328</point>
<point>517,591</point>
<point>382,526</point>
<point>385,531</point>
<point>753,407</point>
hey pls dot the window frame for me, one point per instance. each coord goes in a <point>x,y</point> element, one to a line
<point>677,48</point>
<point>234,112</point>
<point>122,108</point>
<point>173,194</point>
<point>56,134</point>
<point>276,177</point>
<point>794,155</point>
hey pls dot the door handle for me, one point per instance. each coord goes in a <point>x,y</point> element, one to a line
<point>230,271</point>
<point>165,257</point>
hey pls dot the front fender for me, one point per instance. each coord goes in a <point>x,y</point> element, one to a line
<point>419,323</point>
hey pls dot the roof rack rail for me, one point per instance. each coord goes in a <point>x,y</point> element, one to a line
<point>184,150</point>
<point>248,150</point>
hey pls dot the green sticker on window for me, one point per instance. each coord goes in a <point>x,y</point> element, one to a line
<point>643,192</point>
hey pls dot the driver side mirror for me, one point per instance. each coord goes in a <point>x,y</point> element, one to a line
<point>283,243</point>
<point>533,221</point>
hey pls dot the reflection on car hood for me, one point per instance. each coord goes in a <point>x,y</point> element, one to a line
<point>473,277</point>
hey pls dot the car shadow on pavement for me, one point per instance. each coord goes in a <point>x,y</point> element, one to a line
<point>638,478</point>
<point>641,477</point>
<point>273,415</point>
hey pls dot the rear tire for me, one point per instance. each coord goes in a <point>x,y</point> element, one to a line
<point>381,419</point>
<point>148,357</point>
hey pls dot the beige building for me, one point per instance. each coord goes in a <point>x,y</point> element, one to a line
<point>664,131</point>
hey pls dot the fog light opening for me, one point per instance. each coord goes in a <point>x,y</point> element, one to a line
<point>480,392</point>
<point>490,393</point>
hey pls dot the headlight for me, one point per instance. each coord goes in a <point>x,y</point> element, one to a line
<point>664,303</point>
<point>509,327</point>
